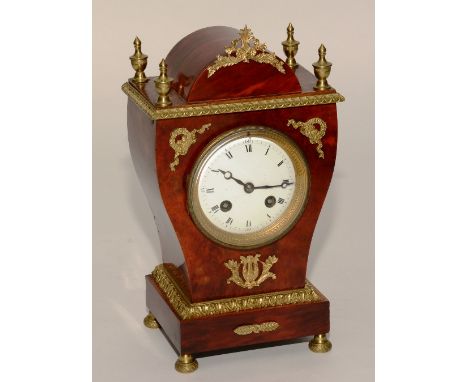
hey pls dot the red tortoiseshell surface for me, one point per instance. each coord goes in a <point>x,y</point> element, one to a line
<point>189,59</point>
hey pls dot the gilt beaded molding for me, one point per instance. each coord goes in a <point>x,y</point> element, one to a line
<point>157,113</point>
<point>186,310</point>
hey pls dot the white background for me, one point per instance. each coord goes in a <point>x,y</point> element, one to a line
<point>46,205</point>
<point>125,243</point>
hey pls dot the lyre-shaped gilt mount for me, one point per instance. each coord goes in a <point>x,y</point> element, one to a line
<point>250,270</point>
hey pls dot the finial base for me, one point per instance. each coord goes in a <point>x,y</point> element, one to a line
<point>163,101</point>
<point>291,62</point>
<point>140,78</point>
<point>322,85</point>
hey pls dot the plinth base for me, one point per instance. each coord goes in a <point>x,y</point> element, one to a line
<point>195,328</point>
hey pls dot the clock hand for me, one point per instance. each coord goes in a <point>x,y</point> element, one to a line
<point>283,185</point>
<point>228,175</point>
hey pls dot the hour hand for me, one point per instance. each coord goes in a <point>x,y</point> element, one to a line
<point>228,175</point>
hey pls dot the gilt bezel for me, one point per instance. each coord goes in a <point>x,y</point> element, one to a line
<point>279,227</point>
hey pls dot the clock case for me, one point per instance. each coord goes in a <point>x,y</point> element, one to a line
<point>189,295</point>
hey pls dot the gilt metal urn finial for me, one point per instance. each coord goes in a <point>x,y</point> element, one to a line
<point>163,85</point>
<point>290,47</point>
<point>322,69</point>
<point>139,62</point>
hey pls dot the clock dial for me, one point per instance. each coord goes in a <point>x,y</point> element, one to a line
<point>248,187</point>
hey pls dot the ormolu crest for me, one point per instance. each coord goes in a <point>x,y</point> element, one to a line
<point>250,270</point>
<point>250,49</point>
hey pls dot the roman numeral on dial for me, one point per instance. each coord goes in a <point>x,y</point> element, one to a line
<point>248,223</point>
<point>228,154</point>
<point>248,148</point>
<point>229,221</point>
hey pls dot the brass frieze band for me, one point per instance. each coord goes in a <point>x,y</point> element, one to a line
<point>256,328</point>
<point>139,99</point>
<point>185,111</point>
<point>187,310</point>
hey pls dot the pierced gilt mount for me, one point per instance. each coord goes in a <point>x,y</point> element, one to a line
<point>290,47</point>
<point>322,70</point>
<point>309,130</point>
<point>181,139</point>
<point>256,328</point>
<point>139,62</point>
<point>250,49</point>
<point>250,270</point>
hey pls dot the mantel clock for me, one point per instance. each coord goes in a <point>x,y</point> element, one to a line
<point>235,149</point>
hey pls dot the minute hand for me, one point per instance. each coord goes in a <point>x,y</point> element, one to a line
<point>284,185</point>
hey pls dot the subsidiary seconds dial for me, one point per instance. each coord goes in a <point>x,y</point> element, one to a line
<point>248,187</point>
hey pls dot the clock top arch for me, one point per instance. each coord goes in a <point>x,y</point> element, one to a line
<point>221,62</point>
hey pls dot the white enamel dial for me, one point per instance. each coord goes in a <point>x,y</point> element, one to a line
<point>248,187</point>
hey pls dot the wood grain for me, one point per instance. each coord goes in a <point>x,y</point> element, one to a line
<point>207,275</point>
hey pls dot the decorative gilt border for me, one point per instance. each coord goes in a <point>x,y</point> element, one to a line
<point>186,310</point>
<point>226,107</point>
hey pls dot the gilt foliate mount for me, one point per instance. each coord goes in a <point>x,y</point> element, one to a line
<point>181,139</point>
<point>246,48</point>
<point>309,130</point>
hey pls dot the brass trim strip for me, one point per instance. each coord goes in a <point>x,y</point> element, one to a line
<point>256,328</point>
<point>141,101</point>
<point>186,310</point>
<point>226,107</point>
